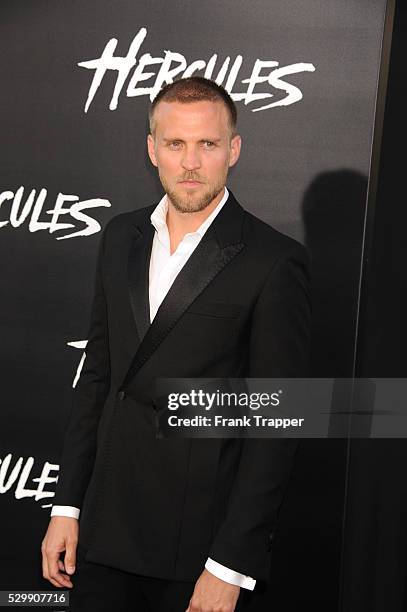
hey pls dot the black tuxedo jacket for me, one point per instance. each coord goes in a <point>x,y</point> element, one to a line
<point>239,308</point>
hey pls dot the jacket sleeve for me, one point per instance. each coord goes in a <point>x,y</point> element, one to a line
<point>88,398</point>
<point>279,347</point>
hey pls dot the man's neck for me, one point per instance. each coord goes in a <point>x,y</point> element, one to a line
<point>179,223</point>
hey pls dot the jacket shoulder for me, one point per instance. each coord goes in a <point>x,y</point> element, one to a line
<point>269,241</point>
<point>122,221</point>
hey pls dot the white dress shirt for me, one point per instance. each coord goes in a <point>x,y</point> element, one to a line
<point>164,269</point>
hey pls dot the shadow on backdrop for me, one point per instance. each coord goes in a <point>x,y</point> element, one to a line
<point>375,552</point>
<point>307,547</point>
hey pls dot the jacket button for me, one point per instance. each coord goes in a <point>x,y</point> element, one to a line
<point>121,395</point>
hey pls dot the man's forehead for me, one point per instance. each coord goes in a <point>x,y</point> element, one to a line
<point>195,110</point>
<point>197,120</point>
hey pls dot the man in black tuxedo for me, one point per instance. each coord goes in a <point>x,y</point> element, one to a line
<point>194,286</point>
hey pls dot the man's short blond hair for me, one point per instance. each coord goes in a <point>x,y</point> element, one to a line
<point>194,89</point>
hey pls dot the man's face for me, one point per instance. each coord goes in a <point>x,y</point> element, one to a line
<point>193,150</point>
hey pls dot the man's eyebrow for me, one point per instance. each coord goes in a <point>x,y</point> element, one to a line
<point>201,139</point>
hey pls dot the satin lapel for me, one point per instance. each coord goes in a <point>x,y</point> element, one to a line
<point>138,276</point>
<point>205,263</point>
<point>220,244</point>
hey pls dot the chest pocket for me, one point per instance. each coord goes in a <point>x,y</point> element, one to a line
<point>216,309</point>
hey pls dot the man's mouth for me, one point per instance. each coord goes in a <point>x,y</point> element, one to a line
<point>190,183</point>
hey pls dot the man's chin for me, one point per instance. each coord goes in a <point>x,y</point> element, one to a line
<point>190,203</point>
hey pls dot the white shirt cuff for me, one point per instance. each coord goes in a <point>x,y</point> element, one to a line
<point>70,511</point>
<point>230,576</point>
<point>215,568</point>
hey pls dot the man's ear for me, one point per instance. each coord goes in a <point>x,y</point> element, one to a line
<point>151,150</point>
<point>235,146</point>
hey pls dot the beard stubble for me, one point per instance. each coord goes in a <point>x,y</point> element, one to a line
<point>190,203</point>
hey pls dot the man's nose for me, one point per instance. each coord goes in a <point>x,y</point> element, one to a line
<point>191,159</point>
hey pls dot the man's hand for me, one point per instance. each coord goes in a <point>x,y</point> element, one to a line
<point>211,594</point>
<point>62,535</point>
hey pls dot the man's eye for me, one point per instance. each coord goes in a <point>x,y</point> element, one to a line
<point>208,144</point>
<point>175,144</point>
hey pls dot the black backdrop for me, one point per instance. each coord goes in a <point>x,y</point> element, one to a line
<point>375,551</point>
<point>304,168</point>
